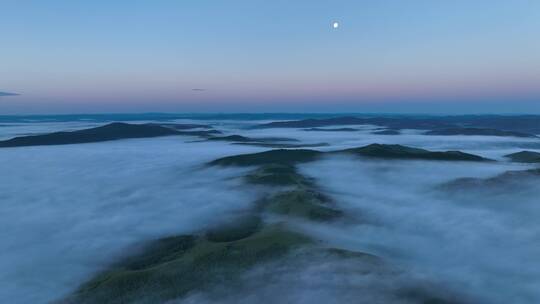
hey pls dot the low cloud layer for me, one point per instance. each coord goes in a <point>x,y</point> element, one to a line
<point>484,246</point>
<point>322,279</point>
<point>69,211</point>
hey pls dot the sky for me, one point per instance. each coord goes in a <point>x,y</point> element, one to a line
<point>414,56</point>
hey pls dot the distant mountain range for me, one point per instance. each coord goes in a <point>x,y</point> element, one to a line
<point>112,131</point>
<point>527,125</point>
<point>478,131</point>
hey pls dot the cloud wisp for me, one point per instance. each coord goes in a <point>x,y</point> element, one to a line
<point>5,94</point>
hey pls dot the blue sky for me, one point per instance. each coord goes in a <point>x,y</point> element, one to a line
<point>282,56</point>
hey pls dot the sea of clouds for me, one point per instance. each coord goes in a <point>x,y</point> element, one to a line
<point>480,245</point>
<point>69,211</point>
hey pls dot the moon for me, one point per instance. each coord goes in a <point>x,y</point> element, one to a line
<point>335,24</point>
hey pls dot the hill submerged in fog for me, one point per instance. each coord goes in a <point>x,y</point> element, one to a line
<point>112,131</point>
<point>387,132</point>
<point>395,123</point>
<point>529,124</point>
<point>525,157</point>
<point>245,139</point>
<point>178,126</point>
<point>404,152</point>
<point>177,266</point>
<point>383,151</point>
<point>266,142</point>
<point>479,131</point>
<point>282,213</point>
<point>281,156</point>
<point>515,180</point>
<point>172,267</point>
<point>331,129</point>
<point>119,130</point>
